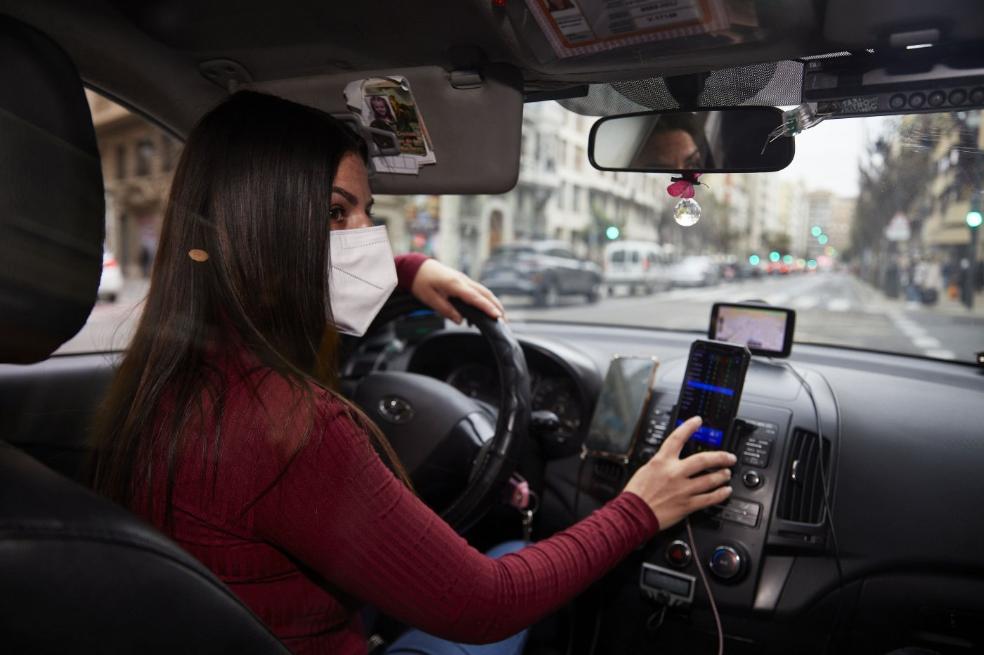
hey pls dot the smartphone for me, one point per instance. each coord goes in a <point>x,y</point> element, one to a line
<point>624,396</point>
<point>711,389</point>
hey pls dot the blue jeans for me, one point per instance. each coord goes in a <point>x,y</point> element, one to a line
<point>415,642</point>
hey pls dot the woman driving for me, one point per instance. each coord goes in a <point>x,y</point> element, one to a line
<point>222,426</point>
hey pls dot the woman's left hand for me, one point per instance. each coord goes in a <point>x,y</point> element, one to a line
<point>435,283</point>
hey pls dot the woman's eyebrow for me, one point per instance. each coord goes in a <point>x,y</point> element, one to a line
<point>345,194</point>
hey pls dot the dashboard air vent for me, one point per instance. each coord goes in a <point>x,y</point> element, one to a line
<point>801,499</point>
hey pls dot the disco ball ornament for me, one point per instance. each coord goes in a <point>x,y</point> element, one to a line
<point>686,212</point>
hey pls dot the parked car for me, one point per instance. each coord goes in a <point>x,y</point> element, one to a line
<point>694,271</point>
<point>111,282</point>
<point>542,270</point>
<point>636,266</point>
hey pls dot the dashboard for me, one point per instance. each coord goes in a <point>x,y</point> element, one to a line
<point>563,381</point>
<point>897,439</point>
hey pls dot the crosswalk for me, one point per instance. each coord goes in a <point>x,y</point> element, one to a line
<point>803,295</point>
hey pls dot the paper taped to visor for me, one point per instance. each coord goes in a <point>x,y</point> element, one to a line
<point>388,110</point>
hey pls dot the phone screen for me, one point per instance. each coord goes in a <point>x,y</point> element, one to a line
<point>620,405</point>
<point>712,388</point>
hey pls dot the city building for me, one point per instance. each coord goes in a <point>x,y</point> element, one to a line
<point>138,160</point>
<point>956,177</point>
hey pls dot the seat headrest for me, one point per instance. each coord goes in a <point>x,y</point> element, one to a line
<point>52,204</point>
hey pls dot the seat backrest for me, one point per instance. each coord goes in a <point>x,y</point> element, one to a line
<point>78,574</point>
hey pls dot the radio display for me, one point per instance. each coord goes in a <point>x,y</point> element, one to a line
<point>658,580</point>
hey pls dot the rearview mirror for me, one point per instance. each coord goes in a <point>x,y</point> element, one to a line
<point>733,140</point>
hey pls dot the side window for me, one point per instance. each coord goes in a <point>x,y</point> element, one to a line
<point>618,257</point>
<point>138,158</point>
<point>635,256</point>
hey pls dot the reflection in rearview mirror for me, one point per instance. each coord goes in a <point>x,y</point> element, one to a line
<point>724,141</point>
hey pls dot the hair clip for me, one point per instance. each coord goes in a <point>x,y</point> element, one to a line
<point>198,255</point>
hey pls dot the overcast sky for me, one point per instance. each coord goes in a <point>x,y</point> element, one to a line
<point>827,155</point>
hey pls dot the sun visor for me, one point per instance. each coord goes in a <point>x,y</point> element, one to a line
<point>473,122</point>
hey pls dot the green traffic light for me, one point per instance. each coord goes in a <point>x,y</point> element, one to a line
<point>754,260</point>
<point>974,219</point>
<point>816,230</point>
<point>822,239</point>
<point>774,256</point>
<point>787,259</point>
<point>612,232</point>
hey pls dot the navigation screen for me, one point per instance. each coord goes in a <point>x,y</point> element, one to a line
<point>712,388</point>
<point>620,405</point>
<point>764,330</point>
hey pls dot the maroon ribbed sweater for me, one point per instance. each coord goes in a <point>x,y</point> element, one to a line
<point>304,522</point>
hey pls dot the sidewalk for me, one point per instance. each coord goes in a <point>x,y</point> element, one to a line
<point>945,306</point>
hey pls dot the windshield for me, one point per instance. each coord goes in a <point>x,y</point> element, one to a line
<point>865,235</point>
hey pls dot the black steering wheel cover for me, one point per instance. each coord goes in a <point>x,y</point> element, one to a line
<point>512,426</point>
<point>499,459</point>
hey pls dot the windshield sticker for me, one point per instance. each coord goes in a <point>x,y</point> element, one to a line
<point>386,107</point>
<point>581,27</point>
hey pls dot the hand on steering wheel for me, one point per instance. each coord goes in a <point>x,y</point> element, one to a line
<point>436,283</point>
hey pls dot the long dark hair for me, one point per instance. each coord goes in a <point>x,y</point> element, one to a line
<point>242,260</point>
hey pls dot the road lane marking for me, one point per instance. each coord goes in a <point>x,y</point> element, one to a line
<point>806,302</point>
<point>927,342</point>
<point>941,353</point>
<point>839,305</point>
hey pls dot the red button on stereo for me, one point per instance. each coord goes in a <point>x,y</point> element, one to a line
<point>678,554</point>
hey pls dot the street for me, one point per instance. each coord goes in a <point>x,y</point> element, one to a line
<point>833,308</point>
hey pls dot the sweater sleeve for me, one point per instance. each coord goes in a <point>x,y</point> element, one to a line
<point>341,511</point>
<point>407,266</point>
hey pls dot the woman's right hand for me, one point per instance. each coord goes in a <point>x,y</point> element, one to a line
<point>668,484</point>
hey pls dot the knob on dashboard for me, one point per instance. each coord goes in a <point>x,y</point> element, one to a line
<point>678,554</point>
<point>727,563</point>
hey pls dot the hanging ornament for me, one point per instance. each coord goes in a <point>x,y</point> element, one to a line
<point>687,210</point>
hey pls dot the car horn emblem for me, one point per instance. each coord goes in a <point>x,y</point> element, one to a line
<point>395,409</point>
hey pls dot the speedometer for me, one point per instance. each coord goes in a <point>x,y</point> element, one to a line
<point>559,396</point>
<point>475,381</point>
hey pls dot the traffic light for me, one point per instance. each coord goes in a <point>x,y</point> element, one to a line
<point>612,232</point>
<point>754,260</point>
<point>816,230</point>
<point>774,256</point>
<point>974,219</point>
<point>822,239</point>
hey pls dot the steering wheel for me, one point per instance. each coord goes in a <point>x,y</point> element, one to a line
<point>456,457</point>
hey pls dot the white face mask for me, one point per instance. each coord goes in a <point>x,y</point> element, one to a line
<point>361,278</point>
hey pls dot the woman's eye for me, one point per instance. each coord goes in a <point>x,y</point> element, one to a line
<point>335,213</point>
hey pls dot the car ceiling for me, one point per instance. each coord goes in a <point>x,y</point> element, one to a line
<point>148,53</point>
<point>172,60</point>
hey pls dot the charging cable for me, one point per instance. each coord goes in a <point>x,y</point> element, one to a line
<point>707,587</point>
